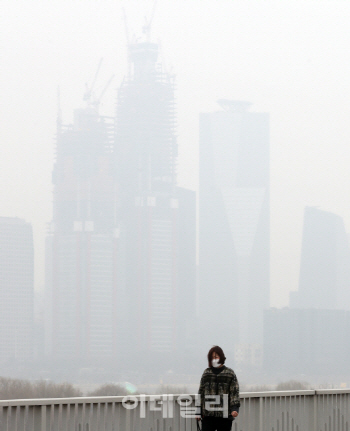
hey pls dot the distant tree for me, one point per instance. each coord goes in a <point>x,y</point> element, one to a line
<point>44,389</point>
<point>256,388</point>
<point>292,385</point>
<point>15,389</point>
<point>108,389</point>
<point>11,389</point>
<point>327,386</point>
<point>171,389</point>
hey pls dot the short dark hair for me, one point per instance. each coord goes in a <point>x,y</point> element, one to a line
<point>219,351</point>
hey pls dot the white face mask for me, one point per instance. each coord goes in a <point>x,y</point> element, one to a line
<point>215,363</point>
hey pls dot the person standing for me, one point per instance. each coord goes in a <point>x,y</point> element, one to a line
<point>218,413</point>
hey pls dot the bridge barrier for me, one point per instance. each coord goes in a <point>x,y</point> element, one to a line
<point>304,410</point>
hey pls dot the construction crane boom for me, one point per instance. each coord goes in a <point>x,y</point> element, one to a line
<point>147,27</point>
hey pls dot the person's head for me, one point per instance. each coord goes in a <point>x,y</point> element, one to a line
<point>216,352</point>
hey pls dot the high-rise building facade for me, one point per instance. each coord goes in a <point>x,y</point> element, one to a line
<point>306,342</point>
<point>16,290</point>
<point>121,251</point>
<point>324,280</point>
<point>157,219</point>
<point>82,244</point>
<point>234,233</point>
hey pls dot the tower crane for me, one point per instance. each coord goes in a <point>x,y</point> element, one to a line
<point>146,29</point>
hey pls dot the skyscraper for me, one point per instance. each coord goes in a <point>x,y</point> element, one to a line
<point>16,290</point>
<point>324,281</point>
<point>121,252</point>
<point>306,342</point>
<point>234,223</point>
<point>157,219</point>
<point>82,244</point>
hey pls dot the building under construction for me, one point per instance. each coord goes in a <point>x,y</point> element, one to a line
<point>82,244</point>
<point>121,247</point>
<point>157,219</point>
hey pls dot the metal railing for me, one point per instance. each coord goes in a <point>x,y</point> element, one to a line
<point>308,410</point>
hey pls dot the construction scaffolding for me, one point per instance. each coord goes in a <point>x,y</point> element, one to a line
<point>145,144</point>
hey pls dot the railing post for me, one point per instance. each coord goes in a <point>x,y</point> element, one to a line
<point>39,420</point>
<point>261,413</point>
<point>315,412</point>
<point>43,418</point>
<point>21,417</point>
<point>4,418</point>
<point>127,419</point>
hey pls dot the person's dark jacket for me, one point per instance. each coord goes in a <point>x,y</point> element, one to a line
<point>218,381</point>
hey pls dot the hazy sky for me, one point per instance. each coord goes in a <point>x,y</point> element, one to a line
<point>290,58</point>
